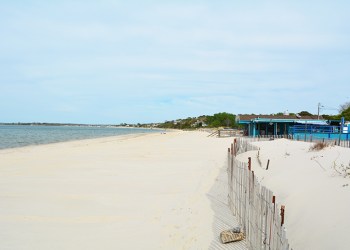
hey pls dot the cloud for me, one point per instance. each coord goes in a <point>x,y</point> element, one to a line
<point>154,60</point>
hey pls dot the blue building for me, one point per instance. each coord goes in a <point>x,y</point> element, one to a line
<point>292,125</point>
<point>273,125</point>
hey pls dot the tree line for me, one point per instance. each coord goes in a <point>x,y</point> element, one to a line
<point>344,111</point>
<point>223,119</point>
<point>228,120</point>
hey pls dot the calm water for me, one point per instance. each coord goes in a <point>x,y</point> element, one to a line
<point>19,136</point>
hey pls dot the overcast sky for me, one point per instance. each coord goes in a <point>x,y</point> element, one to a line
<point>149,61</point>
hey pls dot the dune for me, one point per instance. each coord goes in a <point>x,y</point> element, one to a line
<point>313,185</point>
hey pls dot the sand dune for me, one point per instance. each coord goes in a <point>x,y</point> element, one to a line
<point>314,186</point>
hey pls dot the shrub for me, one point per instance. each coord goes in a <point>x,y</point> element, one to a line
<point>318,146</point>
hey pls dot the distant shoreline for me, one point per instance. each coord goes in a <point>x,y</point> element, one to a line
<point>64,124</point>
<point>17,136</point>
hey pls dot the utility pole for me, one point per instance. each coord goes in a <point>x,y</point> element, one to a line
<point>319,106</point>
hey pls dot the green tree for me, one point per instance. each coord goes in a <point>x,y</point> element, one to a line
<point>344,111</point>
<point>221,120</point>
<point>305,113</point>
<point>344,107</point>
<point>346,114</point>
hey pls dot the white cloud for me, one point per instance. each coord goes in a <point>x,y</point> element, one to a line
<point>173,58</point>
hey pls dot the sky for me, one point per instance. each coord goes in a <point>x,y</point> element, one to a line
<point>110,62</point>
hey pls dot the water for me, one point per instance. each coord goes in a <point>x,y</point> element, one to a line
<point>12,136</point>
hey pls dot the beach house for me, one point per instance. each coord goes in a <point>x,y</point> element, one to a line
<point>274,125</point>
<point>296,126</point>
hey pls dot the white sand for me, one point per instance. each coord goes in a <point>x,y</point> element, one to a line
<point>317,197</point>
<point>158,191</point>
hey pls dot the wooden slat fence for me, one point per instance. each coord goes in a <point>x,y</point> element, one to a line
<point>336,142</point>
<point>243,144</point>
<point>253,204</point>
<point>306,138</point>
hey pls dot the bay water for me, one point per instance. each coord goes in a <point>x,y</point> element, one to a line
<point>12,136</point>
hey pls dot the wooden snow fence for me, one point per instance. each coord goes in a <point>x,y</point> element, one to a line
<point>255,207</point>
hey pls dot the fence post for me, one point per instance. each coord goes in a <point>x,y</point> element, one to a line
<point>282,215</point>
<point>249,163</point>
<point>235,146</point>
<point>274,207</point>
<point>268,163</point>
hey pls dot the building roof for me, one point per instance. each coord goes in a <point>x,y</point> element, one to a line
<point>278,118</point>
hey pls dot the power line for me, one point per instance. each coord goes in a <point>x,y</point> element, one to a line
<point>322,107</point>
<point>328,108</point>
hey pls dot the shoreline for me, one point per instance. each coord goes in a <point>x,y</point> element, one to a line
<point>81,139</point>
<point>72,141</point>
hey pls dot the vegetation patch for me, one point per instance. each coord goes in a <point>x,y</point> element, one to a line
<point>342,170</point>
<point>317,146</point>
<point>226,120</point>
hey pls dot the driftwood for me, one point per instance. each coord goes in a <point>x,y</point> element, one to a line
<point>231,235</point>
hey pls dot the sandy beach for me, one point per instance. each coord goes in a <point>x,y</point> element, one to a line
<point>156,191</point>
<point>313,185</point>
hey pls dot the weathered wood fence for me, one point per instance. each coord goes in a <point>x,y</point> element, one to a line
<point>225,133</point>
<point>253,204</point>
<point>305,138</point>
<point>336,142</point>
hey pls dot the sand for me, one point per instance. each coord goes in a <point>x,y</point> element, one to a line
<point>156,191</point>
<point>313,185</point>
